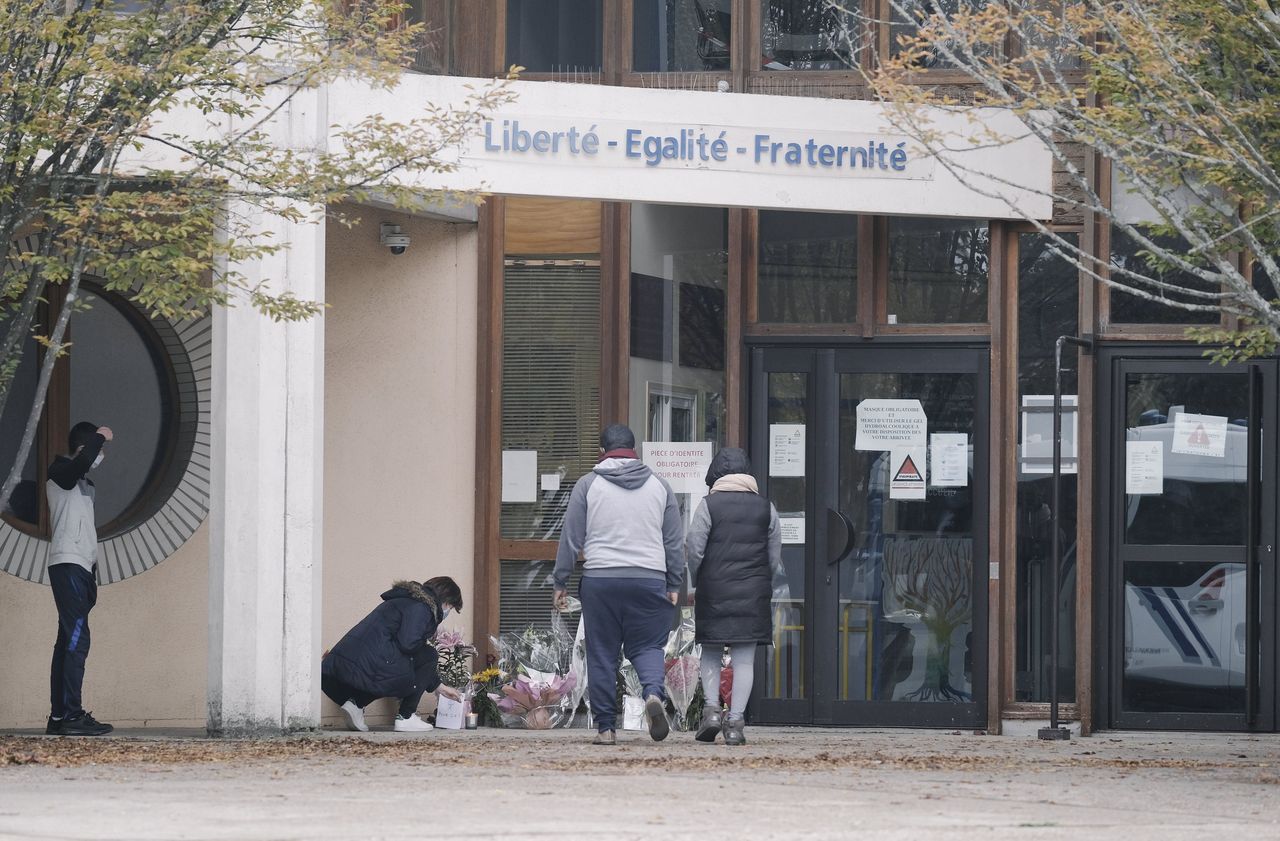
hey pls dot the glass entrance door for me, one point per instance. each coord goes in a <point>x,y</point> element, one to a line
<point>876,460</point>
<point>1189,584</point>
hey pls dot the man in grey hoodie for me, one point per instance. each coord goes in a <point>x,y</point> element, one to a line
<point>625,523</point>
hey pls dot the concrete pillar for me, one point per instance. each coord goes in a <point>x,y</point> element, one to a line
<point>266,519</point>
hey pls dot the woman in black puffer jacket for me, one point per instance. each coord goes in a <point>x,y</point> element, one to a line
<point>388,654</point>
<point>733,545</point>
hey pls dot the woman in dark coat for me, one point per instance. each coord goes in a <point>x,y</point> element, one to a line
<point>389,653</point>
<point>733,545</point>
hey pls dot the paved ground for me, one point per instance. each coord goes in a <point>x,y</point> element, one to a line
<point>807,784</point>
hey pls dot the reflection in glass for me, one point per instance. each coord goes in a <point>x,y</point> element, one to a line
<point>556,36</point>
<point>808,272</point>
<point>24,502</point>
<point>681,35</point>
<point>1185,638</point>
<point>1205,498</point>
<point>902,26</point>
<point>906,589</point>
<point>1130,309</point>
<point>938,271</point>
<point>106,345</point>
<point>788,404</point>
<point>1265,285</point>
<point>1048,307</point>
<point>807,35</point>
<point>679,270</point>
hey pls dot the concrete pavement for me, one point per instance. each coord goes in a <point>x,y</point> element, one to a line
<point>787,783</point>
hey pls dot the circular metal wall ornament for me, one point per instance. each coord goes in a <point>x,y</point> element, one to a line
<point>176,499</point>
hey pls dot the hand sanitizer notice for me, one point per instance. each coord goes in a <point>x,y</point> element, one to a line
<point>890,424</point>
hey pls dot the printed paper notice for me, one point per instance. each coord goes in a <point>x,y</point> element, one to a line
<point>786,449</point>
<point>1144,467</point>
<point>551,481</point>
<point>890,424</point>
<point>519,475</point>
<point>684,465</point>
<point>792,529</point>
<point>907,473</point>
<point>1199,435</point>
<point>949,459</point>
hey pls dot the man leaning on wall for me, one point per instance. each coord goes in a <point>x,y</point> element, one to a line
<point>73,563</point>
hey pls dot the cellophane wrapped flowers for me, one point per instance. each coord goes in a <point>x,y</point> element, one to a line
<point>536,705</point>
<point>544,678</point>
<point>682,662</point>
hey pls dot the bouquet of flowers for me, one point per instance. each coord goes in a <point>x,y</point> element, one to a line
<point>542,676</point>
<point>454,654</point>
<point>536,705</point>
<point>682,656</point>
<point>483,690</point>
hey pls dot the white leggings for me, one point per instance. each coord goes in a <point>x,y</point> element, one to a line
<point>743,657</point>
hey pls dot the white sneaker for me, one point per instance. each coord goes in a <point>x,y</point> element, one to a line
<point>412,724</point>
<point>355,717</point>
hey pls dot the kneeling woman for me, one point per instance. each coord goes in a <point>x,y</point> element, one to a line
<point>733,546</point>
<point>389,654</point>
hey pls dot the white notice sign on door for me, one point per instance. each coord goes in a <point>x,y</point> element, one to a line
<point>792,529</point>
<point>907,473</point>
<point>949,459</point>
<point>1144,467</point>
<point>1199,435</point>
<point>519,475</point>
<point>683,464</point>
<point>786,449</point>
<point>889,424</point>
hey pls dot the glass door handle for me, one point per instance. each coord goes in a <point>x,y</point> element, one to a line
<point>839,534</point>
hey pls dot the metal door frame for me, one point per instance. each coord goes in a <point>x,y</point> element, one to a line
<point>1261,713</point>
<point>823,359</point>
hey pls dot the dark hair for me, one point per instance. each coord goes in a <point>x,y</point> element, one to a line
<point>446,589</point>
<point>81,434</point>
<point>617,436</point>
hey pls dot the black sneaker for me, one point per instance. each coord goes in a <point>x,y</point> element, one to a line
<point>84,725</point>
<point>53,727</point>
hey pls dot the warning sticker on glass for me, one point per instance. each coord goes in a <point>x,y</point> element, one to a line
<point>907,473</point>
<point>1199,435</point>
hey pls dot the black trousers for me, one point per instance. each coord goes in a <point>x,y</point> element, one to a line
<point>75,592</point>
<point>425,677</point>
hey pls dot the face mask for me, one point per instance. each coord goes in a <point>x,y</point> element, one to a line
<point>445,614</point>
<point>96,461</point>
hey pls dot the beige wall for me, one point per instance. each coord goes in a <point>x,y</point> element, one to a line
<point>400,397</point>
<point>148,652</point>
<point>400,404</point>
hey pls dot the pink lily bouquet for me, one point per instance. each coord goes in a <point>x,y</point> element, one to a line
<point>454,656</point>
<point>537,705</point>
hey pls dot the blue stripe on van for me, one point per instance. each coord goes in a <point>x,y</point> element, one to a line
<point>1172,631</point>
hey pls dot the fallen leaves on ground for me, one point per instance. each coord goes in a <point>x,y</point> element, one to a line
<point>565,755</point>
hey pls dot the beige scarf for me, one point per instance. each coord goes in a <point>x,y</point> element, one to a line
<point>736,482</point>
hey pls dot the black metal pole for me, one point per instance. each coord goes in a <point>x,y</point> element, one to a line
<point>1055,730</point>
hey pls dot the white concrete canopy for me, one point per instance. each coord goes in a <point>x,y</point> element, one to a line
<point>727,150</point>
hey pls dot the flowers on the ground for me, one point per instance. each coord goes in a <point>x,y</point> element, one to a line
<point>539,705</point>
<point>454,656</point>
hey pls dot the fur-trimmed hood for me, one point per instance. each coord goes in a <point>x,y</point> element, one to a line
<point>417,592</point>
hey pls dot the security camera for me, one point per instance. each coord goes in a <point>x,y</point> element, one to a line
<point>390,236</point>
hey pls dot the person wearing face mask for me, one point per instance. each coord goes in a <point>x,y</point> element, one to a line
<point>388,654</point>
<point>72,571</point>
